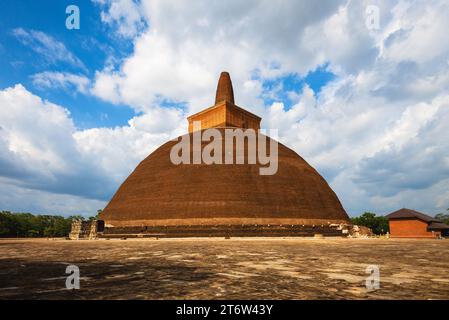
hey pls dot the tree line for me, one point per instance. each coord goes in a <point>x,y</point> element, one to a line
<point>28,225</point>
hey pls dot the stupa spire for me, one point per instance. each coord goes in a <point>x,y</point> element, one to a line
<point>224,89</point>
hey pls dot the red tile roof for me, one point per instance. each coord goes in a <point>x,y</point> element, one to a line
<point>408,213</point>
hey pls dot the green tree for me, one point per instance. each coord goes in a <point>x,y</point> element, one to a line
<point>7,224</point>
<point>62,226</point>
<point>378,224</point>
<point>28,225</point>
<point>444,217</point>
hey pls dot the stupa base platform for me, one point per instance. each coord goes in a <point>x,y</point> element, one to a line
<point>223,231</point>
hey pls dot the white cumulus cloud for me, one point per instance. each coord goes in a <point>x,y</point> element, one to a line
<point>377,132</point>
<point>48,47</point>
<point>48,79</point>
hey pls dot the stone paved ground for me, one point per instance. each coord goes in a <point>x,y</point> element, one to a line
<point>225,269</point>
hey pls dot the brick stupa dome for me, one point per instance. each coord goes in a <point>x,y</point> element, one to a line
<point>165,198</point>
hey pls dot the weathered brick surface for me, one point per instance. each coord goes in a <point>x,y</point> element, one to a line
<point>161,193</point>
<point>410,228</point>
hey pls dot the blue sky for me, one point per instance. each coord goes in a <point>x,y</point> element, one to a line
<point>367,107</point>
<point>315,79</point>
<point>92,44</point>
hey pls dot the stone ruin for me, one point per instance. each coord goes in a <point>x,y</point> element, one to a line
<point>87,230</point>
<point>360,232</point>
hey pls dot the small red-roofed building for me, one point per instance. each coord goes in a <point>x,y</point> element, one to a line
<point>407,223</point>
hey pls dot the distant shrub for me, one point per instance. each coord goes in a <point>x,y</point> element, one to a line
<point>29,225</point>
<point>378,224</point>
